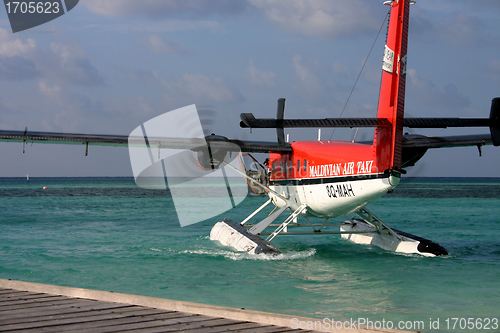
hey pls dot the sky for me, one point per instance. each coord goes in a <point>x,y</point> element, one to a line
<point>106,67</point>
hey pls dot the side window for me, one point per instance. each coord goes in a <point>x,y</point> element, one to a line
<point>305,165</point>
<point>298,165</point>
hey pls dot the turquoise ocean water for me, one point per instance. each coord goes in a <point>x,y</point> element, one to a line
<point>109,234</point>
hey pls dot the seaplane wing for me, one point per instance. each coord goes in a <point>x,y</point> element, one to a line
<point>63,138</point>
<point>410,141</point>
<point>215,141</point>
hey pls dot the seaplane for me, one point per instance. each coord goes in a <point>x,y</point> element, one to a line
<point>321,180</point>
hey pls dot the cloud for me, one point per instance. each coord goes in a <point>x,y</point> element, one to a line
<point>53,91</point>
<point>433,98</point>
<point>139,25</point>
<point>157,44</point>
<point>63,62</point>
<point>17,68</point>
<point>10,46</point>
<point>165,9</point>
<point>494,67</point>
<point>203,87</point>
<point>462,27</point>
<point>48,106</point>
<point>461,30</point>
<point>321,18</point>
<point>309,80</point>
<point>339,68</point>
<point>68,63</point>
<point>199,88</point>
<point>260,78</point>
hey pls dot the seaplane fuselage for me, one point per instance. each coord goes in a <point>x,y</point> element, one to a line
<point>331,178</point>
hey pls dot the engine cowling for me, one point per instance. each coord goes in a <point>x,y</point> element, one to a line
<point>210,157</point>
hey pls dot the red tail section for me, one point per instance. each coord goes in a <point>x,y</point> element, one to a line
<point>388,141</point>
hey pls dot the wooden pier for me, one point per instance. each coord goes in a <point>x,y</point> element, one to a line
<point>34,307</point>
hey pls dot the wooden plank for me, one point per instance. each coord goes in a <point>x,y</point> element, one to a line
<point>166,325</point>
<point>239,327</point>
<point>199,326</point>
<point>36,299</point>
<point>253,327</point>
<point>67,302</point>
<point>22,295</point>
<point>97,316</point>
<point>23,300</point>
<point>6,292</point>
<point>62,309</point>
<point>120,324</point>
<point>271,329</point>
<point>60,314</point>
<point>182,318</point>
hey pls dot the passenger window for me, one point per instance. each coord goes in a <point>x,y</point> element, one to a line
<point>305,165</point>
<point>298,165</point>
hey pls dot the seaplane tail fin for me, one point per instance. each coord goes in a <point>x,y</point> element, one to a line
<point>388,141</point>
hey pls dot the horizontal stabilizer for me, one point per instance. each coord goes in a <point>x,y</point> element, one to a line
<point>249,121</point>
<point>446,122</point>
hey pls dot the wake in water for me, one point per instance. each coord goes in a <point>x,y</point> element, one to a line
<point>292,255</point>
<point>204,246</point>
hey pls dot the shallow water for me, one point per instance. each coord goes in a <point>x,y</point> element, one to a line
<point>109,234</point>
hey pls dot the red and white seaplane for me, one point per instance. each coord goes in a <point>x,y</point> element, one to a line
<point>325,179</point>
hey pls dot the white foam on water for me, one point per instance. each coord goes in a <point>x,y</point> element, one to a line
<point>292,255</point>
